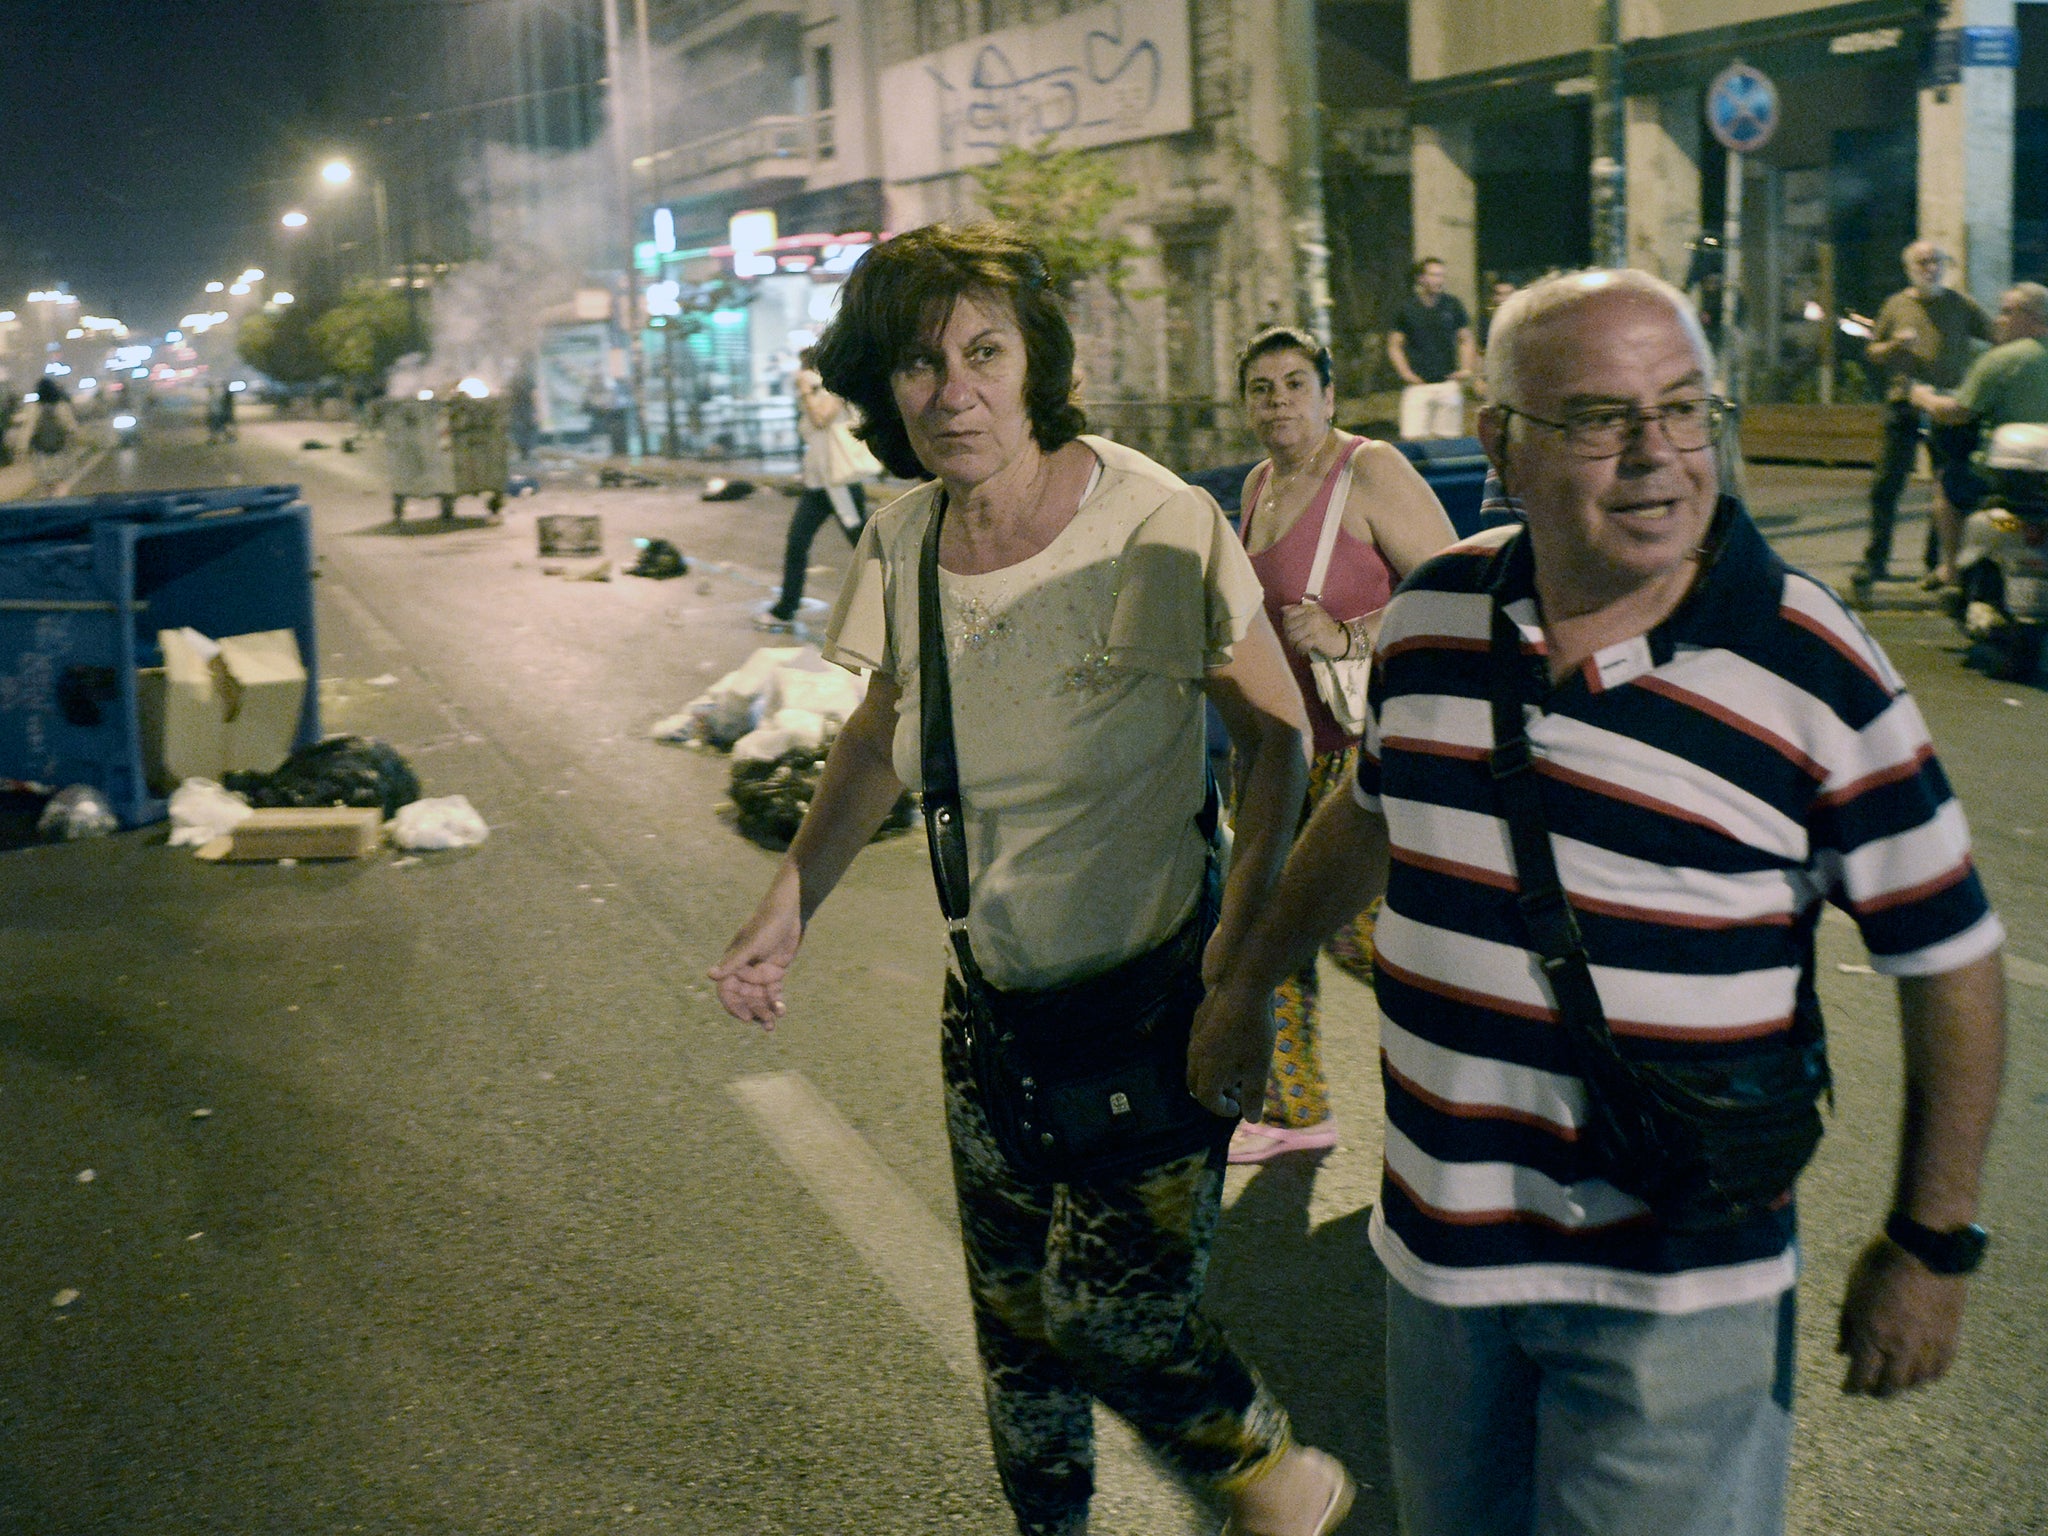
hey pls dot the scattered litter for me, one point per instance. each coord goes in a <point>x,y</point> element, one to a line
<point>287,863</point>
<point>202,1114</point>
<point>569,533</point>
<point>773,679</point>
<point>1854,970</point>
<point>384,680</point>
<point>718,488</point>
<point>407,862</point>
<point>290,833</point>
<point>772,797</point>
<point>75,812</point>
<point>64,1298</point>
<point>578,570</point>
<point>201,811</point>
<point>448,821</point>
<point>659,560</point>
<point>341,770</point>
<point>86,1175</point>
<point>2014,703</point>
<point>611,479</point>
<point>193,1237</point>
<point>312,442</point>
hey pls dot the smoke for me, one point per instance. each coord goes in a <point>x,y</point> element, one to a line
<point>547,224</point>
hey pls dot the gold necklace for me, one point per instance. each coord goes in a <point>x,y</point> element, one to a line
<point>1277,482</point>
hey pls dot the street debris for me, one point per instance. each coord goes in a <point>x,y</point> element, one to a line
<point>611,479</point>
<point>718,488</point>
<point>64,1298</point>
<point>659,560</point>
<point>290,833</point>
<point>202,810</point>
<point>75,812</point>
<point>382,680</point>
<point>86,1175</point>
<point>754,694</point>
<point>339,770</point>
<point>202,1114</point>
<point>1853,970</point>
<point>448,821</point>
<point>569,534</point>
<point>578,570</point>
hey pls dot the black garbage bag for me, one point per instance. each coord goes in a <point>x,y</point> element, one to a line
<point>659,560</point>
<point>772,797</point>
<point>340,770</point>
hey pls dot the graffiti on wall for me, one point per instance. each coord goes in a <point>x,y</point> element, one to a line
<point>1106,75</point>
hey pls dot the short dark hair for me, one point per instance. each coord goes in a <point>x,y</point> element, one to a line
<point>904,289</point>
<point>1282,338</point>
<point>1428,261</point>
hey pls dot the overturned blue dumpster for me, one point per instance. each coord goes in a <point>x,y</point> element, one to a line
<point>86,585</point>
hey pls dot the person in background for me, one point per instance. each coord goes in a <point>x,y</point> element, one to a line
<point>1090,601</point>
<point>1497,294</point>
<point>818,411</point>
<point>1431,348</point>
<point>1721,747</point>
<point>2007,384</point>
<point>1925,334</point>
<point>1392,522</point>
<point>51,435</point>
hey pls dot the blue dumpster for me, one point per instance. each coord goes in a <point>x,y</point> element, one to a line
<point>85,584</point>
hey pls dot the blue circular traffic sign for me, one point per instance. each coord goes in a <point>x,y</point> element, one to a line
<point>1742,108</point>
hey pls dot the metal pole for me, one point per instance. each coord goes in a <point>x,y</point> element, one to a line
<point>1731,280</point>
<point>1305,169</point>
<point>629,223</point>
<point>1610,141</point>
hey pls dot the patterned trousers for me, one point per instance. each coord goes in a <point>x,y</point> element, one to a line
<point>1297,1095</point>
<point>1088,1292</point>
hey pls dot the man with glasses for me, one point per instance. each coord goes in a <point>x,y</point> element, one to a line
<point>1926,333</point>
<point>1719,748</point>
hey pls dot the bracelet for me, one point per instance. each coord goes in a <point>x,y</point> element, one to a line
<point>1350,640</point>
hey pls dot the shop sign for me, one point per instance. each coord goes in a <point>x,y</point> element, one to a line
<point>1378,138</point>
<point>1107,75</point>
<point>1990,47</point>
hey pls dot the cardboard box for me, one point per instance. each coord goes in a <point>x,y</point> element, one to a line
<point>320,832</point>
<point>226,705</point>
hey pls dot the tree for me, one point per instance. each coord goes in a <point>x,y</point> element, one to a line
<point>365,332</point>
<point>280,343</point>
<point>1061,196</point>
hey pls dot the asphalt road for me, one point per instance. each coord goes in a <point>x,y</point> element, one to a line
<point>496,1223</point>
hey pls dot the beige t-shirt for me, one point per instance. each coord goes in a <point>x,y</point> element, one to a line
<point>1077,710</point>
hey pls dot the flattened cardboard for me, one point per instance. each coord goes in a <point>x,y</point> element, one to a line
<point>319,832</point>
<point>226,705</point>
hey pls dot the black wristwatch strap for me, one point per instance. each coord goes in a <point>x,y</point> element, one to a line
<point>1956,1252</point>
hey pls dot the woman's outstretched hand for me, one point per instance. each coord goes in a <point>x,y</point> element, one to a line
<point>750,976</point>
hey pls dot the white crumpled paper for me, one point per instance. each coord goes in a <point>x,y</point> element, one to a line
<point>201,811</point>
<point>448,821</point>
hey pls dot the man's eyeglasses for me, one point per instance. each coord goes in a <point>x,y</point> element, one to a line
<point>1605,431</point>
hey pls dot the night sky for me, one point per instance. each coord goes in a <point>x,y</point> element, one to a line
<point>149,145</point>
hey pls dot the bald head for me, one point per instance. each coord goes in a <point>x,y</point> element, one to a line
<point>1925,262</point>
<point>1525,323</point>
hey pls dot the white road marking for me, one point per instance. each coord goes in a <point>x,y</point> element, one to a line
<point>2028,973</point>
<point>919,1260</point>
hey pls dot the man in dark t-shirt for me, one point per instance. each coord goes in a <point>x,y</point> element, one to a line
<point>1432,350</point>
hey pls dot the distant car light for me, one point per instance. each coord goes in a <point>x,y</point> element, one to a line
<point>124,422</point>
<point>476,389</point>
<point>237,387</point>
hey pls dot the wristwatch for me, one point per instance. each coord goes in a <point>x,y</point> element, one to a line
<point>1957,1252</point>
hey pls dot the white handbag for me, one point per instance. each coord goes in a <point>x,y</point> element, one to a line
<point>1341,682</point>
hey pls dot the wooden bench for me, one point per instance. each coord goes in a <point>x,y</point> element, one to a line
<point>1813,434</point>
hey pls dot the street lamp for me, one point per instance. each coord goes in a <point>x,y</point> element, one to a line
<point>293,220</point>
<point>337,173</point>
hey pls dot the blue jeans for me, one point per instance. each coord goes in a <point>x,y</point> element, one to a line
<point>1568,1420</point>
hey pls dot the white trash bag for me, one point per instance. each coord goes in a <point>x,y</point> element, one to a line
<point>201,811</point>
<point>448,821</point>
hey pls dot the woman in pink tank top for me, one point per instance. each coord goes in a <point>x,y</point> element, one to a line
<point>1392,522</point>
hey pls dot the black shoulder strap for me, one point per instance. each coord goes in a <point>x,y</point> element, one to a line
<point>942,812</point>
<point>1553,929</point>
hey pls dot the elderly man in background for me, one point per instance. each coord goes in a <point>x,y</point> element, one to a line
<point>2010,382</point>
<point>1718,747</point>
<point>1925,334</point>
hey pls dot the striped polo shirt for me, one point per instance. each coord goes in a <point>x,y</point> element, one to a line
<point>1708,785</point>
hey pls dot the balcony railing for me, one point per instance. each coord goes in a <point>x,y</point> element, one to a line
<point>765,149</point>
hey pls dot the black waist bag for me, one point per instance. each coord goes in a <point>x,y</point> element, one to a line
<point>1707,1142</point>
<point>1080,1081</point>
<point>1091,1079</point>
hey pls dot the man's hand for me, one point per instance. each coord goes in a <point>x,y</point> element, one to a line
<point>1230,1051</point>
<point>1900,1322</point>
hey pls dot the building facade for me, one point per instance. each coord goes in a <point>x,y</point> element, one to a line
<point>1897,119</point>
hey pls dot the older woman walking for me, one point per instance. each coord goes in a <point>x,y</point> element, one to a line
<point>1389,523</point>
<point>1087,601</point>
